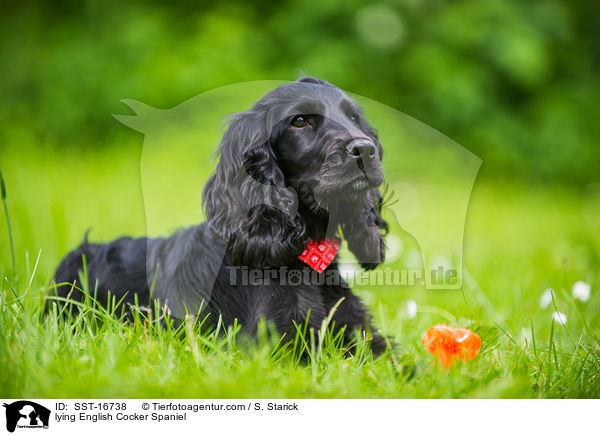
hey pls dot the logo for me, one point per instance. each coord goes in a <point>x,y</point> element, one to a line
<point>26,414</point>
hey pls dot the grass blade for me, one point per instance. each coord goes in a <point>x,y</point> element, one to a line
<point>10,232</point>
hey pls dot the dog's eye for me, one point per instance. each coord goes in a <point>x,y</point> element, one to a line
<point>354,118</point>
<point>299,121</point>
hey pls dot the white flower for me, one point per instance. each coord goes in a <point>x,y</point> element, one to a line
<point>581,290</point>
<point>559,317</point>
<point>546,298</point>
<point>411,309</point>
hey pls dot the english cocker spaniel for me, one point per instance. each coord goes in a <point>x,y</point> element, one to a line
<point>297,172</point>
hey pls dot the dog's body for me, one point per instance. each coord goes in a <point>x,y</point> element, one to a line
<point>301,165</point>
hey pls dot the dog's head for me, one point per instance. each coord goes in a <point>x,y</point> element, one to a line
<point>300,164</point>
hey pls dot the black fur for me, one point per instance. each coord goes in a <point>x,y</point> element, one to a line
<point>279,183</point>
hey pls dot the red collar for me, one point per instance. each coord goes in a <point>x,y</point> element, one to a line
<point>319,255</point>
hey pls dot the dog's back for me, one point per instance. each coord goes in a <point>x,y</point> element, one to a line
<point>119,266</point>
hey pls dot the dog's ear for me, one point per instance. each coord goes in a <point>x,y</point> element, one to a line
<point>366,230</point>
<point>246,201</point>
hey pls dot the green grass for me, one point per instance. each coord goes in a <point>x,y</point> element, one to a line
<point>519,240</point>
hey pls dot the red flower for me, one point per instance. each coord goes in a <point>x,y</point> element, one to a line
<point>451,344</point>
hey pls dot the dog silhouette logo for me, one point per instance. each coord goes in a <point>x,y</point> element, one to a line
<point>26,414</point>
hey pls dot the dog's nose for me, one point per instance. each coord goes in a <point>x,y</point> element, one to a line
<point>362,149</point>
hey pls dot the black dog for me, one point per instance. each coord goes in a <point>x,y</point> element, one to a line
<point>301,165</point>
